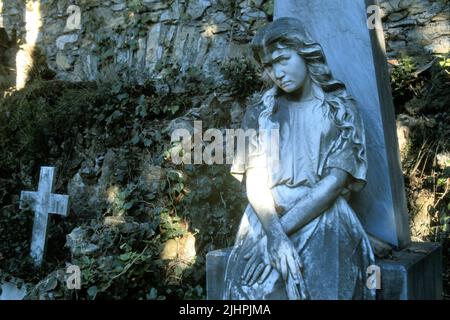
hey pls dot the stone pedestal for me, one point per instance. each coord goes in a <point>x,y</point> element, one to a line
<point>216,262</point>
<point>413,273</point>
<point>10,291</point>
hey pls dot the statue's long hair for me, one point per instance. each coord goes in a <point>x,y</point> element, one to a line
<point>289,32</point>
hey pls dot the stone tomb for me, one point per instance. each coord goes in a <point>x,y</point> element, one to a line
<point>351,35</point>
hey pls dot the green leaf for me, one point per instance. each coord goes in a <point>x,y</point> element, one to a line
<point>178,187</point>
<point>117,87</point>
<point>128,205</point>
<point>147,142</point>
<point>116,114</point>
<point>123,96</point>
<point>143,112</point>
<point>125,256</point>
<point>136,139</point>
<point>445,63</point>
<point>442,181</point>
<point>174,109</point>
<point>92,292</point>
<point>175,175</point>
<point>118,269</point>
<point>150,196</point>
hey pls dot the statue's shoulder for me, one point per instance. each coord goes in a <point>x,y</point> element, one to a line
<point>254,108</point>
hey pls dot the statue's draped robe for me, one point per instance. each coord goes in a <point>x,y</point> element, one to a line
<point>334,248</point>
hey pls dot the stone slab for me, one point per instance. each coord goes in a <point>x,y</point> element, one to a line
<point>216,262</point>
<point>356,56</point>
<point>11,292</point>
<point>414,273</point>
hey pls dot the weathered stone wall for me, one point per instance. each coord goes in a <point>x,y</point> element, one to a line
<point>416,27</point>
<point>138,35</point>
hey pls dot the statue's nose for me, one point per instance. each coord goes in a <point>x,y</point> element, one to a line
<point>279,73</point>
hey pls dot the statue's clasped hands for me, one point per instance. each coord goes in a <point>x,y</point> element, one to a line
<point>279,253</point>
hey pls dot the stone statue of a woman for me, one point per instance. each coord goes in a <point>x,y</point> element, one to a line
<point>299,238</point>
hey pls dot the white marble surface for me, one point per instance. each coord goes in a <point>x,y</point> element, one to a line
<point>11,292</point>
<point>356,57</point>
<point>43,203</point>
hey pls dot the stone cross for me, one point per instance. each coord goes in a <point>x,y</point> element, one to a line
<point>43,202</point>
<point>351,35</point>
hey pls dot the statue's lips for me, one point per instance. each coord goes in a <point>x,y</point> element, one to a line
<point>286,84</point>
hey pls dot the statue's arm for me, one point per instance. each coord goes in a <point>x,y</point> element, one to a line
<point>281,252</point>
<point>260,198</point>
<point>320,198</point>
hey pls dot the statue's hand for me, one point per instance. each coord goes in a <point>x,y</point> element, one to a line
<point>256,269</point>
<point>283,257</point>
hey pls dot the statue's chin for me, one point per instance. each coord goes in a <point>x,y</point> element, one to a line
<point>291,90</point>
<point>286,90</point>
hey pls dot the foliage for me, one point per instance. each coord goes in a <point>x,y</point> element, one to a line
<point>15,228</point>
<point>45,121</point>
<point>70,124</point>
<point>243,77</point>
<point>421,90</point>
<point>269,8</point>
<point>404,84</point>
<point>423,95</point>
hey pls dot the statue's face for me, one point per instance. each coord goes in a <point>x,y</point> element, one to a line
<point>286,69</point>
